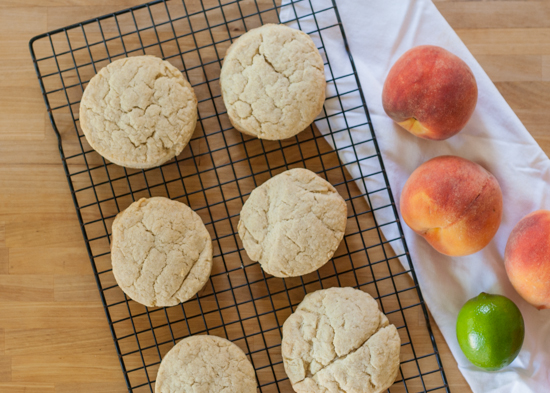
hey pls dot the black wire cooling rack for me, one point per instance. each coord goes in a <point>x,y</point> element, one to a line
<point>215,174</point>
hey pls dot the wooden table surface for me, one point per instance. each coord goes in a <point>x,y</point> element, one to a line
<point>54,335</point>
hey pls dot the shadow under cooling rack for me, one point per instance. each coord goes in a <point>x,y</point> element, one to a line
<point>215,174</point>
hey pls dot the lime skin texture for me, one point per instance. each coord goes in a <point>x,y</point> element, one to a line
<point>490,331</point>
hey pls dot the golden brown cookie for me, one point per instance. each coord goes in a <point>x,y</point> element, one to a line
<point>138,112</point>
<point>205,364</point>
<point>293,223</point>
<point>338,341</point>
<point>161,252</point>
<point>273,82</point>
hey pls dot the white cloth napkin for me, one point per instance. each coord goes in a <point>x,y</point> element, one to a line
<point>378,33</point>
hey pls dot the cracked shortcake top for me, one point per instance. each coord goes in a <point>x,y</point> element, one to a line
<point>161,252</point>
<point>138,112</point>
<point>338,341</point>
<point>273,82</point>
<point>293,223</point>
<point>205,364</point>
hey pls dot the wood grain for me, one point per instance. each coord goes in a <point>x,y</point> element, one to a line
<point>54,336</point>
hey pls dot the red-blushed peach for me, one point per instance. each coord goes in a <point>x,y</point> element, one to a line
<point>430,92</point>
<point>453,203</point>
<point>527,258</point>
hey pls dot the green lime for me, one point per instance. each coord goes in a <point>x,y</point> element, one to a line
<point>490,331</point>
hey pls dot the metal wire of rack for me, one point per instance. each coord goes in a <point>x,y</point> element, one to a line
<point>214,175</point>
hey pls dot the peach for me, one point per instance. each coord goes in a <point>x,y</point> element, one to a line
<point>527,258</point>
<point>453,203</point>
<point>430,92</point>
